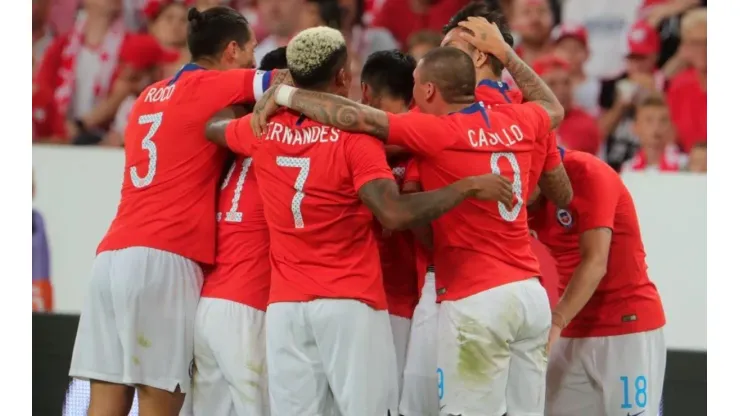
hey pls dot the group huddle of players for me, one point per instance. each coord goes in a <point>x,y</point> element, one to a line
<point>320,256</point>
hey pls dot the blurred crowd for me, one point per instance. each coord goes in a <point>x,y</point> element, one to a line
<point>631,74</point>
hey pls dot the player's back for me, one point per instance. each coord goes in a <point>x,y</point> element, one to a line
<point>323,239</point>
<point>171,171</point>
<point>477,245</point>
<point>242,269</point>
<point>544,153</point>
<point>626,288</point>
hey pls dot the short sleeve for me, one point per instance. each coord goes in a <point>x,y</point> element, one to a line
<point>422,134</point>
<point>237,86</point>
<point>239,136</point>
<point>533,115</point>
<point>596,198</point>
<point>552,155</point>
<point>366,160</point>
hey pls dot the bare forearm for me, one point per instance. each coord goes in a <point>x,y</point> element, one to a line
<point>339,112</point>
<point>556,187</point>
<point>533,87</point>
<point>582,286</point>
<point>397,212</point>
<point>216,126</point>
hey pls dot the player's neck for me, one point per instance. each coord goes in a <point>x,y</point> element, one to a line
<point>456,107</point>
<point>207,63</point>
<point>486,74</point>
<point>393,105</point>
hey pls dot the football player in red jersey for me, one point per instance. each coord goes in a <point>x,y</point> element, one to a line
<point>387,82</point>
<point>327,316</point>
<point>494,315</point>
<point>136,326</point>
<point>611,357</point>
<point>231,376</point>
<point>547,169</point>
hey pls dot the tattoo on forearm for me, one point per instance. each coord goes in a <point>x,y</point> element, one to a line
<point>341,113</point>
<point>282,76</point>
<point>533,87</point>
<point>556,187</point>
<point>409,210</point>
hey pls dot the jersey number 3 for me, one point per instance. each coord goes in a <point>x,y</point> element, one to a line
<point>304,164</point>
<point>154,121</point>
<point>516,185</point>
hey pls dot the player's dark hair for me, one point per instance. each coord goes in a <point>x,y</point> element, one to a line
<point>391,73</point>
<point>275,59</point>
<point>322,74</point>
<point>330,12</point>
<point>451,71</point>
<point>210,31</point>
<point>481,9</point>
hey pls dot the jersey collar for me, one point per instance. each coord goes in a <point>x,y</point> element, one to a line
<point>188,67</point>
<point>476,107</point>
<point>500,86</point>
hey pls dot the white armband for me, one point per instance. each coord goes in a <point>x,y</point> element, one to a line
<point>283,95</point>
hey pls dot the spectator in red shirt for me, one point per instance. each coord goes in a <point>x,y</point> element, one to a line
<point>42,34</point>
<point>578,130</point>
<point>687,92</point>
<point>533,21</point>
<point>76,89</point>
<point>168,23</point>
<point>655,133</point>
<point>571,43</point>
<point>404,17</point>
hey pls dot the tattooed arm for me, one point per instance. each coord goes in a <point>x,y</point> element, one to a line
<point>396,211</point>
<point>556,187</point>
<point>487,37</point>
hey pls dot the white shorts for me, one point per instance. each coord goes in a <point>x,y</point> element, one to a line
<point>607,376</point>
<point>420,390</point>
<point>136,325</point>
<point>230,377</point>
<point>401,329</point>
<point>491,351</point>
<point>327,353</point>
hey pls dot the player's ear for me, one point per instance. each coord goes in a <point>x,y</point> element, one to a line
<point>479,58</point>
<point>429,91</point>
<point>365,92</point>
<point>344,79</point>
<point>231,50</point>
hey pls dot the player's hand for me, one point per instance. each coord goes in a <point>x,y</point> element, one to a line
<point>492,187</point>
<point>486,37</point>
<point>553,337</point>
<point>263,109</point>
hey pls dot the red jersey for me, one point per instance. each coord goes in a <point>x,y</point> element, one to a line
<point>687,101</point>
<point>171,170</point>
<point>242,270</point>
<point>322,238</point>
<point>479,244</point>
<point>398,262</point>
<point>626,301</point>
<point>545,156</point>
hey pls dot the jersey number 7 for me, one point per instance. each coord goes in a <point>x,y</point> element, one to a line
<point>304,164</point>
<point>155,120</point>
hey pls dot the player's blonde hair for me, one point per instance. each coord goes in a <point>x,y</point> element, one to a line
<point>312,48</point>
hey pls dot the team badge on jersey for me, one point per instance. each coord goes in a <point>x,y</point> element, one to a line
<point>564,217</point>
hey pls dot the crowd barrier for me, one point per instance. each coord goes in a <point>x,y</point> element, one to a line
<point>77,192</point>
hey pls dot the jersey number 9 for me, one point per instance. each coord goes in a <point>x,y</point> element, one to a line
<point>516,185</point>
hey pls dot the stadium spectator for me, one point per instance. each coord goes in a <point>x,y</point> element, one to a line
<point>86,74</point>
<point>641,78</point>
<point>363,40</point>
<point>42,35</point>
<point>687,92</point>
<point>698,158</point>
<point>422,42</point>
<point>168,23</point>
<point>404,17</point>
<point>608,23</point>
<point>533,21</point>
<point>571,43</point>
<point>42,291</point>
<point>578,130</point>
<point>665,16</point>
<point>282,19</point>
<point>655,134</point>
